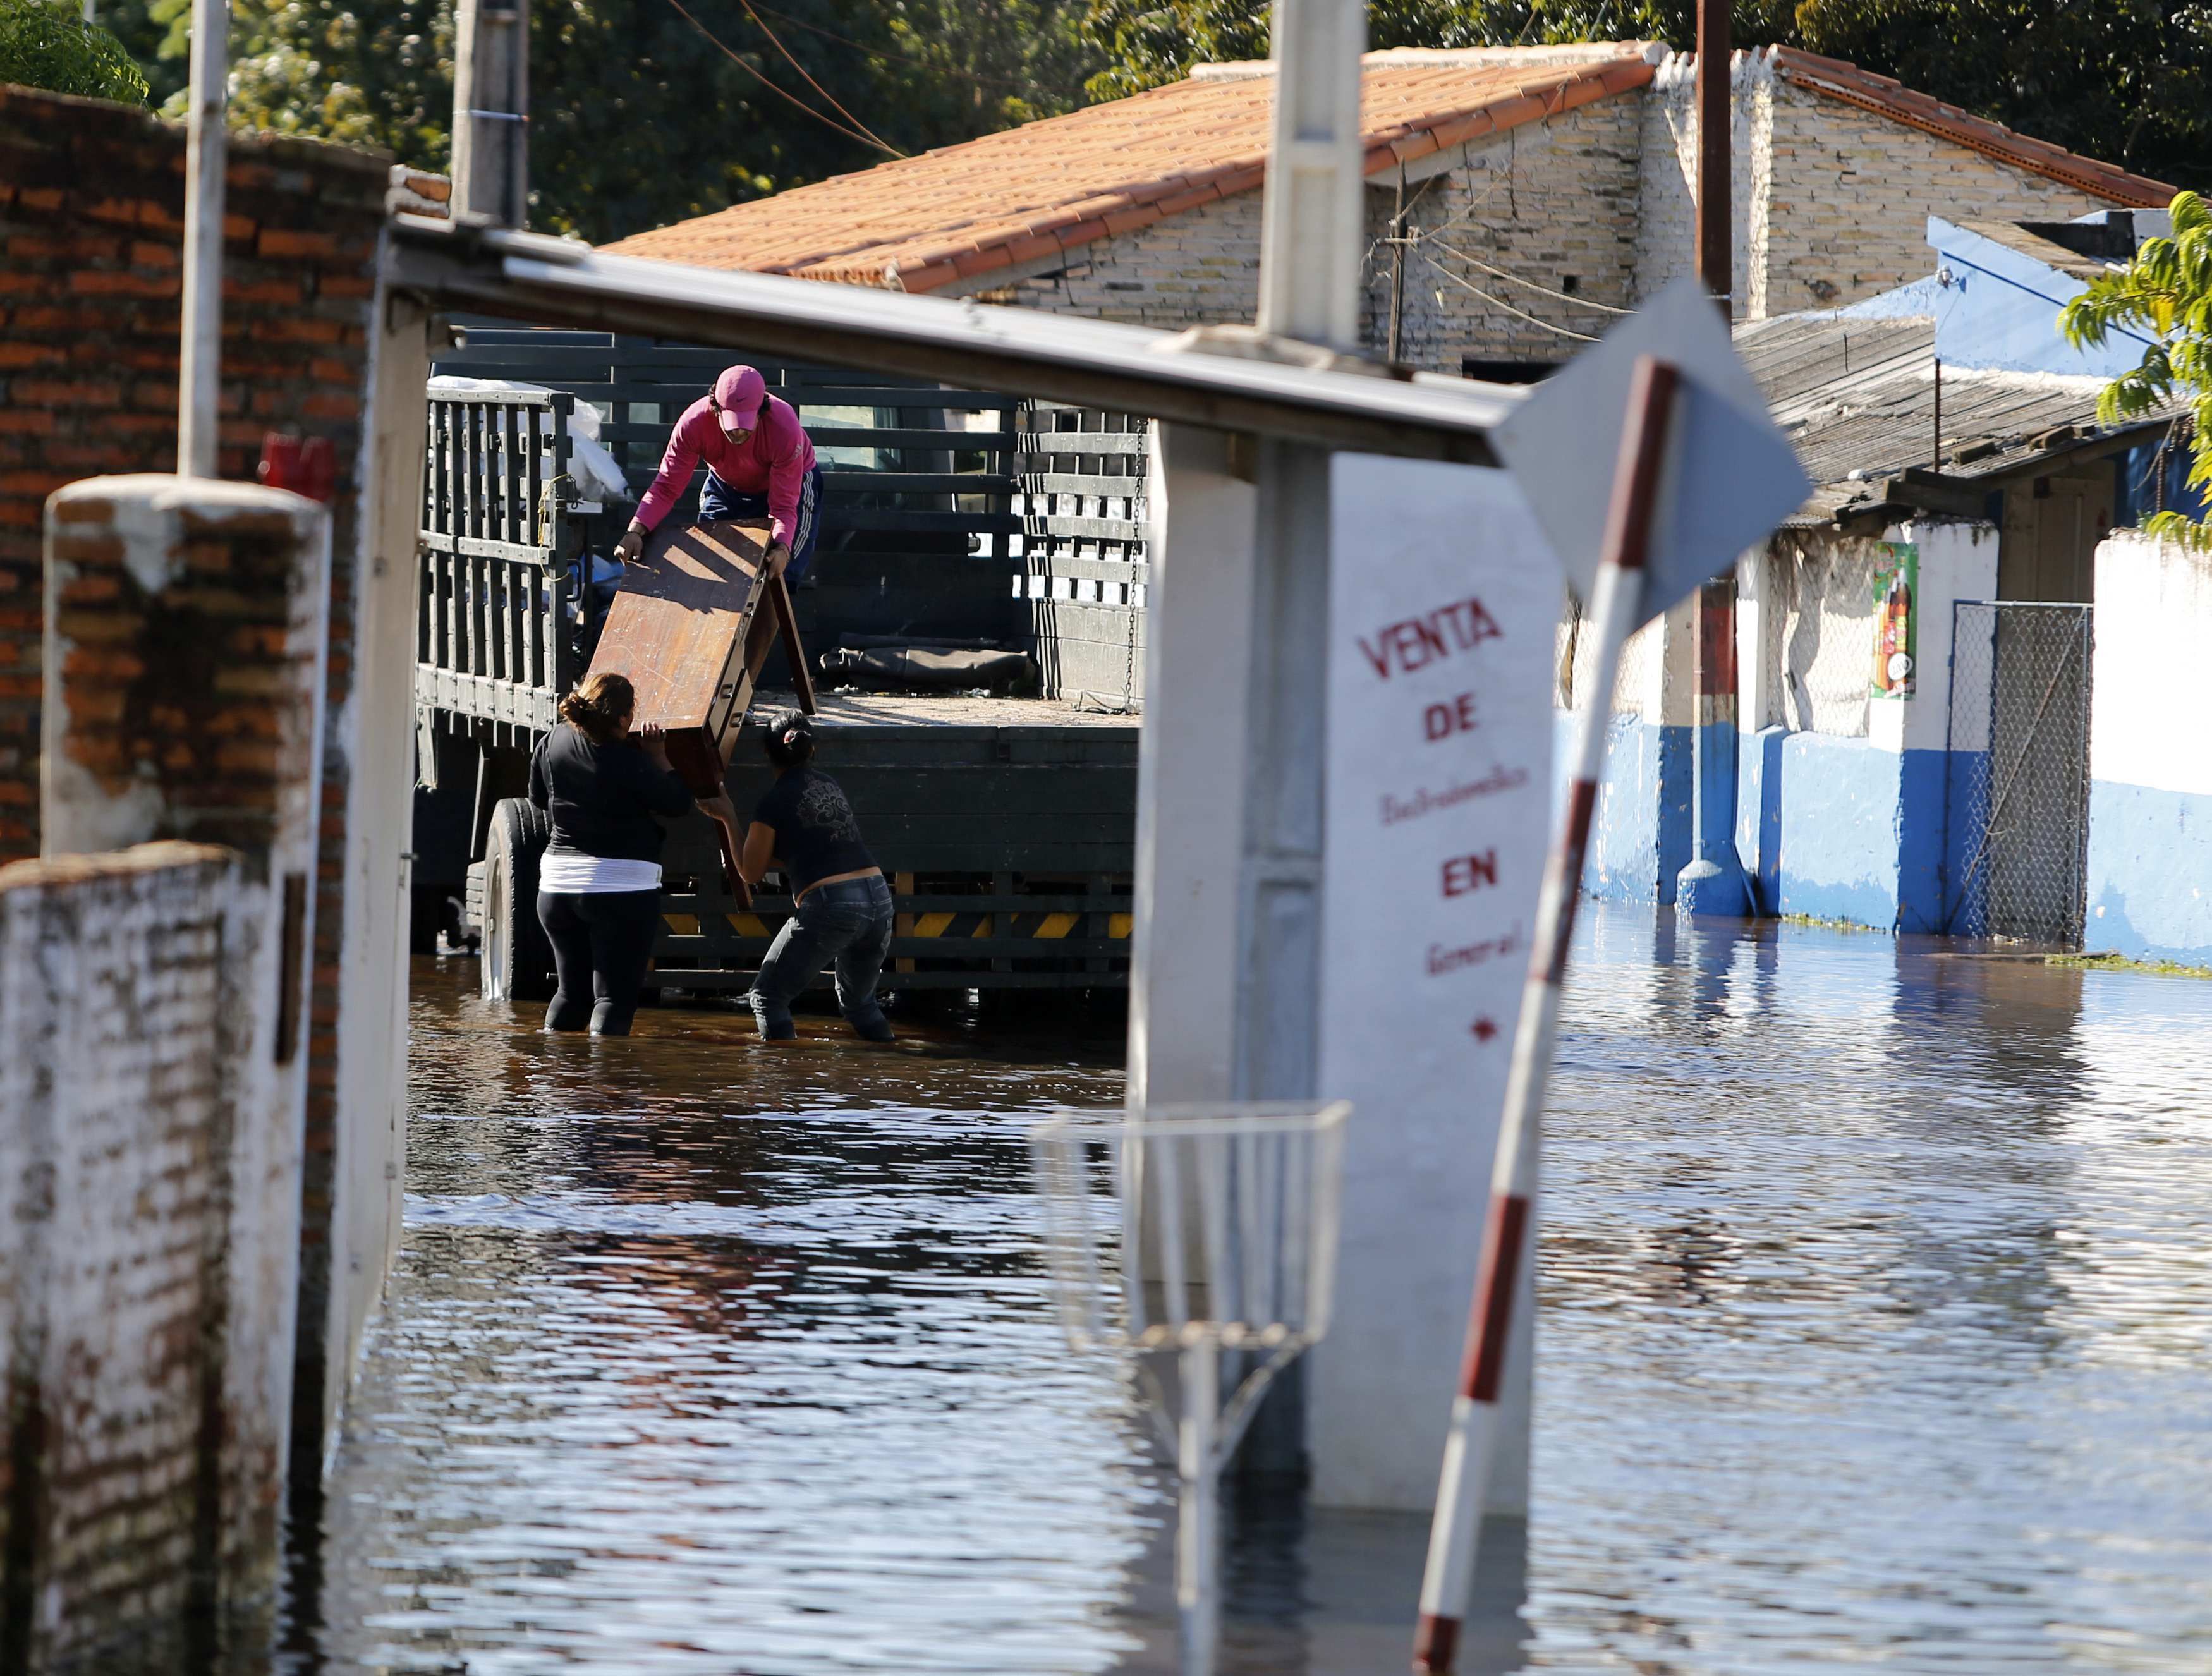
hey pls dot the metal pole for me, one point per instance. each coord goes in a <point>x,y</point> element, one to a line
<point>1398,265</point>
<point>1198,1539</point>
<point>1509,1233</point>
<point>1311,223</point>
<point>199,360</point>
<point>1716,257</point>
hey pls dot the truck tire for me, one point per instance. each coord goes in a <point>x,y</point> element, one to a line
<point>516,962</point>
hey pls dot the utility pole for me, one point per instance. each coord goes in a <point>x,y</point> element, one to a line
<point>491,111</point>
<point>1715,883</point>
<point>200,352</point>
<point>1715,154</point>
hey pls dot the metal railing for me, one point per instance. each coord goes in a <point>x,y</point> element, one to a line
<point>959,512</point>
<point>495,609</point>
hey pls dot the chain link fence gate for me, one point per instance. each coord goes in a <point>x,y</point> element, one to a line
<point>2018,797</point>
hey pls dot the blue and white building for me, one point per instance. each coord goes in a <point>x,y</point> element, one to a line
<point>1966,493</point>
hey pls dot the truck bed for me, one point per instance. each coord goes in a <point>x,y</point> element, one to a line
<point>1007,826</point>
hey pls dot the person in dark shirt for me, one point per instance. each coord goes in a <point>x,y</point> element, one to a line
<point>841,907</point>
<point>607,791</point>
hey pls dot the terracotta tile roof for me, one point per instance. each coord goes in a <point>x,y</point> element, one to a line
<point>1893,100</point>
<point>1049,188</point>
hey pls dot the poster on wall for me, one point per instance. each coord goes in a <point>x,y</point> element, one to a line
<point>1444,609</point>
<point>1896,621</point>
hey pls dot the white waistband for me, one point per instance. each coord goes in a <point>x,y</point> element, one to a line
<point>571,873</point>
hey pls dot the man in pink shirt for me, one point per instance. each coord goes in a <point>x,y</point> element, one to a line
<point>760,464</point>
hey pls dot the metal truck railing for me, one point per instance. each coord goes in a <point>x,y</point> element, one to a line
<point>495,629</point>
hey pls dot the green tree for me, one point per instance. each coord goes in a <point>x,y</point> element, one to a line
<point>641,117</point>
<point>2166,290</point>
<point>50,45</point>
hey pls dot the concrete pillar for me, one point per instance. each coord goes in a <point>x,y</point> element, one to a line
<point>357,1137</point>
<point>1225,999</point>
<point>491,111</point>
<point>185,626</point>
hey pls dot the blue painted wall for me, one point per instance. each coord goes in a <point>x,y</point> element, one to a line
<point>1838,804</point>
<point>1642,835</point>
<point>2150,873</point>
<point>2000,309</point>
<point>1842,830</point>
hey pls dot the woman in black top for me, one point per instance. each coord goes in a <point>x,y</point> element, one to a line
<point>841,907</point>
<point>599,886</point>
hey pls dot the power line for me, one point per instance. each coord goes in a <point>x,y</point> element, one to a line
<point>1515,279</point>
<point>898,58</point>
<point>759,76</point>
<point>1500,302</point>
<point>762,24</point>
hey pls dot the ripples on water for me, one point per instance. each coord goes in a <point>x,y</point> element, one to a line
<point>1877,1302</point>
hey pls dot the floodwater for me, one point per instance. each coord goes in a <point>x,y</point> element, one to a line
<point>1876,1328</point>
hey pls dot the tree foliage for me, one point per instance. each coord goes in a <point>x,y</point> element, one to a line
<point>638,117</point>
<point>2128,80</point>
<point>2166,290</point>
<point>50,45</point>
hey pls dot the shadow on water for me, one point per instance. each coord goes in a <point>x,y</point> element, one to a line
<point>1873,1328</point>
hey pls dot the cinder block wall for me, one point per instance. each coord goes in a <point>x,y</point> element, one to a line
<point>1831,201</point>
<point>1200,268</point>
<point>1831,206</point>
<point>91,239</point>
<point>1552,203</point>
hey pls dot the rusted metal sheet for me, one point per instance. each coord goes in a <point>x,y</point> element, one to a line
<point>680,628</point>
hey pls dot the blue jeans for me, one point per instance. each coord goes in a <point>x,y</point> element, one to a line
<point>849,924</point>
<point>718,501</point>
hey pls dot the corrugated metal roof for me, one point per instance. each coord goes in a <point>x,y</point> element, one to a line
<point>1856,397</point>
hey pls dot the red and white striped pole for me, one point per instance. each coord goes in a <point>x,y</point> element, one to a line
<point>1615,611</point>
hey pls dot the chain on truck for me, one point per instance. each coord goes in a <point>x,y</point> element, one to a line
<point>974,614</point>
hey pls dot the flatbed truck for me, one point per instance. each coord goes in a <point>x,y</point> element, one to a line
<point>1005,823</point>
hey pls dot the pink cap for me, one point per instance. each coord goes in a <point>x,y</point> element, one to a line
<point>739,393</point>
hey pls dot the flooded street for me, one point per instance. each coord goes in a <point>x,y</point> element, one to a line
<point>1876,1327</point>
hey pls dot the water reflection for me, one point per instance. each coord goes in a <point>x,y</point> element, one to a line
<point>1876,1297</point>
<point>1838,1236</point>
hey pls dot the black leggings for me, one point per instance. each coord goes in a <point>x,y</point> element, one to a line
<point>602,944</point>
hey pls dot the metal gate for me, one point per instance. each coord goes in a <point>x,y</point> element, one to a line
<point>2018,798</point>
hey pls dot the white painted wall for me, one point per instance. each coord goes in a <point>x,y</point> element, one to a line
<point>1190,818</point>
<point>1958,560</point>
<point>2153,674</point>
<point>375,731</point>
<point>1400,1035</point>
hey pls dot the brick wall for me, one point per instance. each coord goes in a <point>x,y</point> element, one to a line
<point>184,636</point>
<point>1831,202</point>
<point>141,1501</point>
<point>91,242</point>
<point>1553,204</point>
<point>1852,194</point>
<point>1201,268</point>
<point>91,202</point>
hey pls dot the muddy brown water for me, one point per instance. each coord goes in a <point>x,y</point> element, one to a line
<point>1876,1328</point>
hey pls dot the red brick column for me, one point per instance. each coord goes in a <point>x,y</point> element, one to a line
<point>91,202</point>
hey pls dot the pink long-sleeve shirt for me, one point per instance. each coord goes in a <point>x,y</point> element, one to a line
<point>773,461</point>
